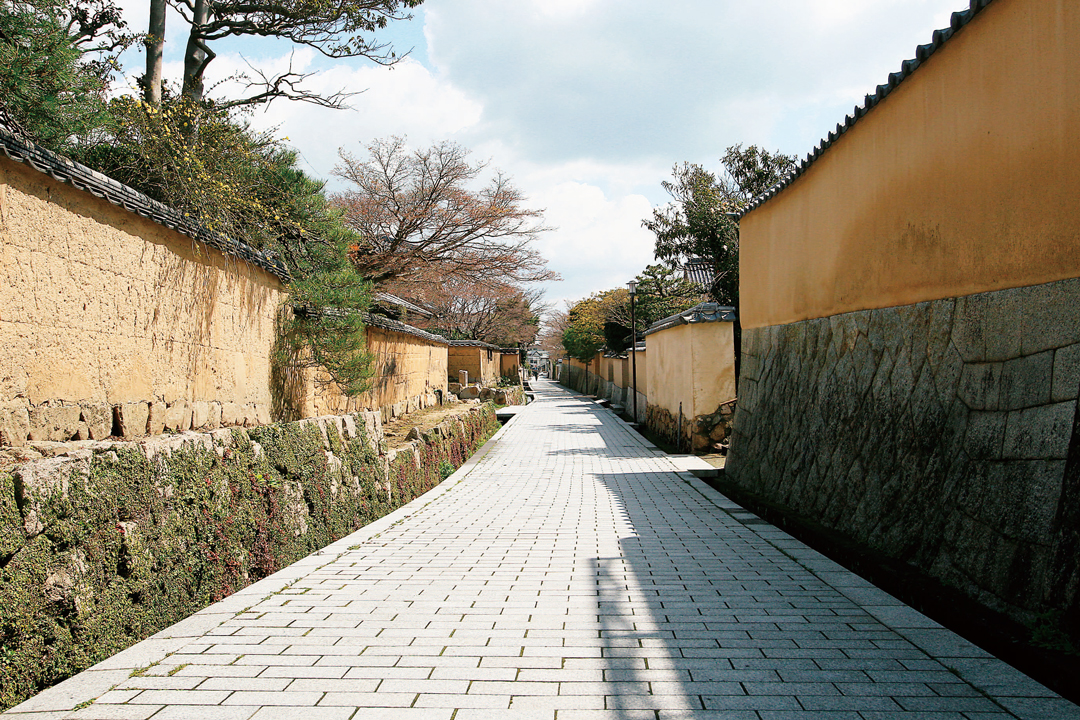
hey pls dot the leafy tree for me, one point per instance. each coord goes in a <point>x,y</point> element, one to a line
<point>56,62</point>
<point>551,332</point>
<point>698,224</point>
<point>581,338</point>
<point>326,328</point>
<point>599,321</point>
<point>201,160</point>
<point>336,28</point>
<point>662,292</point>
<point>420,221</point>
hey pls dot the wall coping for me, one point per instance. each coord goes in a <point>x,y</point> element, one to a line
<point>385,323</point>
<point>80,177</point>
<point>922,53</point>
<point>707,312</point>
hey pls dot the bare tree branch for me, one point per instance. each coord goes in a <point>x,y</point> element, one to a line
<point>417,214</point>
<point>287,86</point>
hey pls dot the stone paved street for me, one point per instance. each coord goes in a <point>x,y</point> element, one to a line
<point>568,573</point>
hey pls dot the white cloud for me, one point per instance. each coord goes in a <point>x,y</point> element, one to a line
<point>587,104</point>
<point>598,242</point>
<point>404,100</point>
<point>564,9</point>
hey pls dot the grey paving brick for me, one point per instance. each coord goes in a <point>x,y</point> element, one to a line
<point>607,715</point>
<point>367,700</point>
<point>500,714</point>
<point>115,712</point>
<point>492,702</point>
<point>180,697</point>
<point>267,698</point>
<point>303,713</point>
<point>750,703</point>
<point>212,712</point>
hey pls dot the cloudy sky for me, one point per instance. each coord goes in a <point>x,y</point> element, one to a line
<point>587,104</point>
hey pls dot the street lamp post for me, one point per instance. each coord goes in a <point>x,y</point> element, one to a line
<point>632,287</point>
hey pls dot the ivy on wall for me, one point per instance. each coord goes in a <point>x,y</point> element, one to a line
<point>114,546</point>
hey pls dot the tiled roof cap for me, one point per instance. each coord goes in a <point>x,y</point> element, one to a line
<point>381,321</point>
<point>922,52</point>
<point>472,343</point>
<point>703,313</point>
<point>394,300</point>
<point>83,178</point>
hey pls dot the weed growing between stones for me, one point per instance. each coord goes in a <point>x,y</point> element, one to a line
<point>117,546</point>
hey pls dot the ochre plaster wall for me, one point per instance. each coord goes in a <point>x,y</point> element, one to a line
<point>693,365</point>
<point>510,365</point>
<point>607,369</point>
<point>99,305</point>
<point>642,371</point>
<point>963,180</point>
<point>408,371</point>
<point>481,363</point>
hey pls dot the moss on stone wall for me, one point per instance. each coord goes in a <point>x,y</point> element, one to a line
<point>105,547</point>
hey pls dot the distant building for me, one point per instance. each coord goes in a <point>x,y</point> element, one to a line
<point>538,360</point>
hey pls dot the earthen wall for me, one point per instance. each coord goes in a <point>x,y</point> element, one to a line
<point>101,308</point>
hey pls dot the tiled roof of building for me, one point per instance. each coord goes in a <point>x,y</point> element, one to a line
<point>83,178</point>
<point>922,52</point>
<point>705,312</point>
<point>373,320</point>
<point>700,271</point>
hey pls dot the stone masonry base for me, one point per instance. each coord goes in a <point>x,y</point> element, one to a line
<point>941,434</point>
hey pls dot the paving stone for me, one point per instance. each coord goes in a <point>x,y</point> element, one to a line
<point>571,571</point>
<point>115,712</point>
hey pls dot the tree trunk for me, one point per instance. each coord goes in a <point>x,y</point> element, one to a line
<point>195,54</point>
<point>155,45</point>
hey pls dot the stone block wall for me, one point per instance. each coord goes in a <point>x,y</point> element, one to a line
<point>942,433</point>
<point>702,434</point>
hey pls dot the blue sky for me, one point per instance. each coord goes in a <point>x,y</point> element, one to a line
<point>587,104</point>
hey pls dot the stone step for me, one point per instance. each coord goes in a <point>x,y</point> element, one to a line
<point>694,465</point>
<point>505,413</point>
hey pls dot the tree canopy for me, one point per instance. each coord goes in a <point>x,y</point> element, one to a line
<point>698,223</point>
<point>501,314</point>
<point>336,28</point>
<point>604,319</point>
<point>420,220</point>
<point>56,61</point>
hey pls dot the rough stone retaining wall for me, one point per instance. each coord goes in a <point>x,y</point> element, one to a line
<point>943,434</point>
<point>109,542</point>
